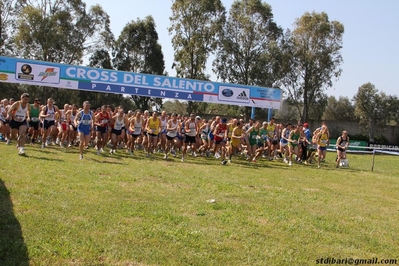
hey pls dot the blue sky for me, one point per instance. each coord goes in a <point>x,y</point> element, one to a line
<point>370,46</point>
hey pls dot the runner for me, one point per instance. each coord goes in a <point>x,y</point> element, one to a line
<point>220,138</point>
<point>171,128</point>
<point>34,120</point>
<point>235,141</point>
<point>261,141</point>
<point>153,128</point>
<point>342,146</point>
<point>162,134</point>
<point>293,142</point>
<point>3,116</point>
<point>136,129</point>
<point>48,113</point>
<point>205,130</point>
<point>191,130</point>
<point>84,123</point>
<point>118,121</point>
<point>284,148</point>
<point>19,113</point>
<point>253,134</point>
<point>70,116</point>
<point>305,152</point>
<point>272,141</point>
<point>322,143</point>
<point>63,127</point>
<point>102,123</point>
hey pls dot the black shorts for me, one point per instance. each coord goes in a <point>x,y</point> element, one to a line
<point>170,138</point>
<point>217,142</point>
<point>35,125</point>
<point>102,130</point>
<point>274,142</point>
<point>152,135</point>
<point>116,132</point>
<point>341,150</point>
<point>190,139</point>
<point>135,136</point>
<point>47,124</point>
<point>15,124</point>
<point>73,127</point>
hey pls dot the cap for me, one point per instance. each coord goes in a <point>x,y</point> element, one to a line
<point>264,123</point>
<point>306,125</point>
<point>37,100</point>
<point>224,120</point>
<point>198,117</point>
<point>25,95</point>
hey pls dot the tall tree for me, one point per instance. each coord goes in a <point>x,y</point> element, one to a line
<point>339,110</point>
<point>372,108</point>
<point>102,59</point>
<point>7,23</point>
<point>60,31</point>
<point>313,54</point>
<point>196,27</point>
<point>249,50</point>
<point>137,50</point>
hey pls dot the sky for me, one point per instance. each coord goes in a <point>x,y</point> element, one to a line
<point>370,44</point>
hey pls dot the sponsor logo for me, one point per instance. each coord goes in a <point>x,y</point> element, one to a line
<point>227,93</point>
<point>243,96</point>
<point>69,84</point>
<point>49,72</point>
<point>3,77</point>
<point>26,72</point>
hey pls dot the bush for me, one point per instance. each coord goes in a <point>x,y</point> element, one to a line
<point>362,137</point>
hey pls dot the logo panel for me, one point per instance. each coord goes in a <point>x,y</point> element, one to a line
<point>37,73</point>
<point>234,94</point>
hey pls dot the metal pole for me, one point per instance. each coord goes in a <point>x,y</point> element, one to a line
<point>253,113</point>
<point>372,164</point>
<point>269,114</point>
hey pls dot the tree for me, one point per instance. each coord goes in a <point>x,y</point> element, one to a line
<point>249,48</point>
<point>137,50</point>
<point>313,58</point>
<point>102,59</point>
<point>372,108</point>
<point>61,31</point>
<point>7,23</point>
<point>196,27</point>
<point>339,110</point>
<point>287,112</point>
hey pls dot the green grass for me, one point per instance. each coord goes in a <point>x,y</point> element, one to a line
<point>131,210</point>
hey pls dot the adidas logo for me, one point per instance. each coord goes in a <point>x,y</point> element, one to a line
<point>243,96</point>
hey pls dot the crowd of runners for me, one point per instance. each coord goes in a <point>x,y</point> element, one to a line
<point>114,130</point>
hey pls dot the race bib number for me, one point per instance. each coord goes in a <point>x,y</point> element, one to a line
<point>34,119</point>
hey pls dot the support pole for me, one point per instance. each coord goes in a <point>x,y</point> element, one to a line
<point>253,113</point>
<point>372,164</point>
<point>269,114</point>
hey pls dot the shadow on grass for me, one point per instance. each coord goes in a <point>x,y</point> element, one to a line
<point>13,250</point>
<point>44,158</point>
<point>104,161</point>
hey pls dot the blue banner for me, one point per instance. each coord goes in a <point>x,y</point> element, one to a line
<point>32,72</point>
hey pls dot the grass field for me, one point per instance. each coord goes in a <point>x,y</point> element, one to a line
<point>131,210</point>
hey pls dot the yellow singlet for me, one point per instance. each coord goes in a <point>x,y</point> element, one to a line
<point>153,125</point>
<point>237,132</point>
<point>323,140</point>
<point>270,130</point>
